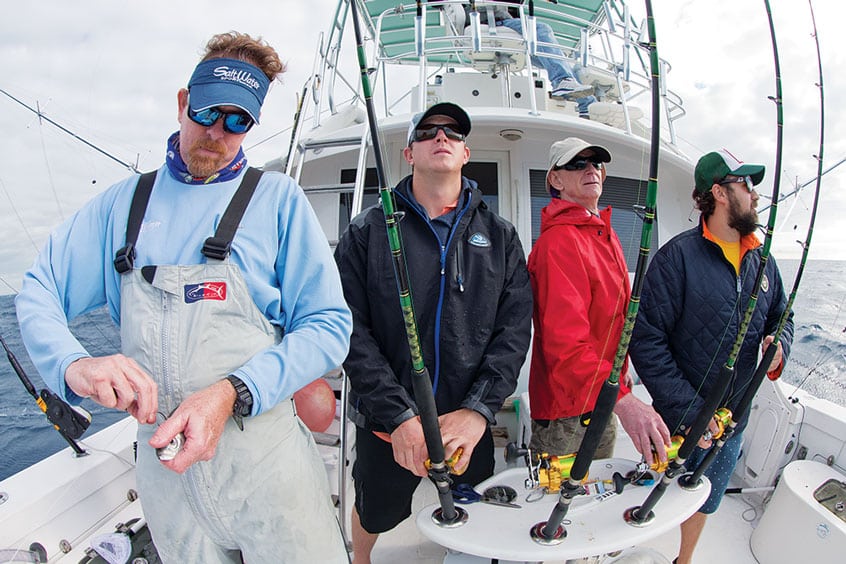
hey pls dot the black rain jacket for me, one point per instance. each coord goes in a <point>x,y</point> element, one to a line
<point>472,300</point>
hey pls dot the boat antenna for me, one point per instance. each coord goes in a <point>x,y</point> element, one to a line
<point>763,366</point>
<point>70,422</point>
<point>552,532</point>
<point>41,115</point>
<point>447,514</point>
<point>641,515</point>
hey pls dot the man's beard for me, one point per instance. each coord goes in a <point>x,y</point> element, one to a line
<point>744,222</point>
<point>205,166</point>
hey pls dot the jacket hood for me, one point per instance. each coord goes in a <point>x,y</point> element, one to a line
<point>403,189</point>
<point>563,212</point>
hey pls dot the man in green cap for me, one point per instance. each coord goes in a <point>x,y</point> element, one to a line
<point>694,297</point>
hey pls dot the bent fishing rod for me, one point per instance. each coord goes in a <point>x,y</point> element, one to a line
<point>552,532</point>
<point>448,514</point>
<point>69,422</point>
<point>643,514</point>
<point>763,366</point>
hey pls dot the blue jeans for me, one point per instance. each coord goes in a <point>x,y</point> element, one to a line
<point>557,69</point>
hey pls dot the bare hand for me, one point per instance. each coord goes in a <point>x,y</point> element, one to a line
<point>713,429</point>
<point>115,381</point>
<point>461,429</point>
<point>201,418</point>
<point>777,357</point>
<point>644,426</point>
<point>409,446</point>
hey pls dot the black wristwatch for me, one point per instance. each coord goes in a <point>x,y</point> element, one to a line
<point>243,406</point>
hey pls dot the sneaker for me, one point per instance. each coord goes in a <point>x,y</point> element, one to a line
<point>570,88</point>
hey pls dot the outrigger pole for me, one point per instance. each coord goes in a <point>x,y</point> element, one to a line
<point>41,116</point>
<point>67,421</point>
<point>552,532</point>
<point>768,355</point>
<point>642,515</point>
<point>448,514</point>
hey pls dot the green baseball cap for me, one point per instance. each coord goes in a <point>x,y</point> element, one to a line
<point>716,165</point>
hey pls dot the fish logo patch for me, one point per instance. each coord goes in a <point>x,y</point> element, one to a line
<point>215,291</point>
<point>765,284</point>
<point>479,240</point>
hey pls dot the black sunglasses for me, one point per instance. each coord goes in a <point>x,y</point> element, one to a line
<point>431,131</point>
<point>233,122</point>
<point>745,180</point>
<point>581,163</point>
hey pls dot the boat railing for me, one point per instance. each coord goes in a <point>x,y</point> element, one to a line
<point>599,38</point>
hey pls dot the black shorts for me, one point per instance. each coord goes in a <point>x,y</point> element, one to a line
<point>383,488</point>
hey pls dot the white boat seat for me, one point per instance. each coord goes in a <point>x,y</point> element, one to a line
<point>611,113</point>
<point>604,82</point>
<point>500,46</point>
<point>506,47</point>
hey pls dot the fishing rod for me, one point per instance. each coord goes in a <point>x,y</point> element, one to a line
<point>69,422</point>
<point>448,514</point>
<point>763,366</point>
<point>552,532</point>
<point>643,514</point>
<point>41,116</point>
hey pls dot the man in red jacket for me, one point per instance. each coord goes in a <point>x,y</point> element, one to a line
<point>581,288</point>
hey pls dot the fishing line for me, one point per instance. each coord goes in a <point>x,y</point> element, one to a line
<point>18,215</point>
<point>48,169</point>
<point>4,281</point>
<point>751,387</point>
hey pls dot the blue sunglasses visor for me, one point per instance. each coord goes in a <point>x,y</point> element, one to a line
<point>233,122</point>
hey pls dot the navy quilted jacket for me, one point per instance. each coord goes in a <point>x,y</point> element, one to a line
<point>692,304</point>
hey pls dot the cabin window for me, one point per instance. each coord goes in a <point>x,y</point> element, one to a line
<point>484,173</point>
<point>371,195</point>
<point>622,194</point>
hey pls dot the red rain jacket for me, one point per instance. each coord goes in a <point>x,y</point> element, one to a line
<point>581,287</point>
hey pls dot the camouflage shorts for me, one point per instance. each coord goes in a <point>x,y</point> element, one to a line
<point>563,436</point>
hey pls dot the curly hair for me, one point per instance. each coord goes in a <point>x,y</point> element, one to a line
<point>235,45</point>
<point>705,202</point>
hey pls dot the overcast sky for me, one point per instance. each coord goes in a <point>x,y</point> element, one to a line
<point>109,71</point>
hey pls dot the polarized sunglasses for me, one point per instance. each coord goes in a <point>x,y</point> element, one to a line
<point>430,132</point>
<point>745,180</point>
<point>233,122</point>
<point>581,163</point>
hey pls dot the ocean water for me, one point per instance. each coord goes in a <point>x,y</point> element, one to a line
<point>817,363</point>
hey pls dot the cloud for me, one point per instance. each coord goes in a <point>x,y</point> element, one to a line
<point>109,71</point>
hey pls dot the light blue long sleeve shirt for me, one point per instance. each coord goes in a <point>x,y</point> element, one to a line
<point>279,246</point>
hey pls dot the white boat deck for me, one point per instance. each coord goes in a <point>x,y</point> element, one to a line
<point>726,536</point>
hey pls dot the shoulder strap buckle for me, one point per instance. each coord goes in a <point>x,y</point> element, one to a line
<point>217,248</point>
<point>219,245</point>
<point>125,258</point>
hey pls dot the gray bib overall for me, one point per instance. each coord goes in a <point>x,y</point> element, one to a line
<point>265,493</point>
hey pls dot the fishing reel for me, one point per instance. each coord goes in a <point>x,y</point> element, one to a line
<point>71,421</point>
<point>545,471</point>
<point>549,471</point>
